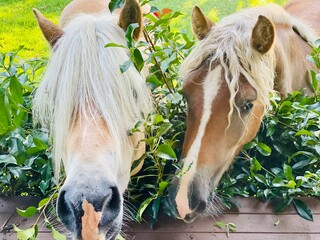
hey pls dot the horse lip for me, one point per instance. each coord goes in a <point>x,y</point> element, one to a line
<point>195,212</point>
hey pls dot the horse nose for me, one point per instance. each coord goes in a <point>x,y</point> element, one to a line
<point>70,212</point>
<point>196,201</point>
<point>198,207</point>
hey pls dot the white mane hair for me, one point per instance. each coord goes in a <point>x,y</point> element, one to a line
<point>229,43</point>
<point>83,79</point>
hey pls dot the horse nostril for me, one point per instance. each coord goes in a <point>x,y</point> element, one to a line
<point>200,208</point>
<point>111,206</point>
<point>65,210</point>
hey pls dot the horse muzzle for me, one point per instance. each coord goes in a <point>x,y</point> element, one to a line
<point>106,201</point>
<point>188,209</point>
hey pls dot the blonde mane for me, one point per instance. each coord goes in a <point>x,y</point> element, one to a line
<point>229,43</point>
<point>83,80</point>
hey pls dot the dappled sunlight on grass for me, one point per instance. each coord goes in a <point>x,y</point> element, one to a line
<point>214,9</point>
<point>18,25</point>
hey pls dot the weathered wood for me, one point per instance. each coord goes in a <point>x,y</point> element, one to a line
<point>254,220</point>
<point>245,223</point>
<point>13,236</point>
<point>221,236</point>
<point>8,204</point>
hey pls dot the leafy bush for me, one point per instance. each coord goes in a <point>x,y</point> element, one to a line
<point>25,166</point>
<point>281,163</point>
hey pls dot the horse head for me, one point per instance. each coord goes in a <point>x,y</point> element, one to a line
<point>88,106</point>
<point>227,81</point>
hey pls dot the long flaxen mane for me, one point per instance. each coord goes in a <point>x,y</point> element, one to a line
<point>229,43</point>
<point>83,80</point>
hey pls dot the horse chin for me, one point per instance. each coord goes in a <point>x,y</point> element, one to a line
<point>202,200</point>
<point>113,231</point>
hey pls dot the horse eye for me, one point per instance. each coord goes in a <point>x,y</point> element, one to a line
<point>248,106</point>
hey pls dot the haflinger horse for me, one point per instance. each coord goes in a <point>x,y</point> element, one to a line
<point>228,78</point>
<point>89,106</point>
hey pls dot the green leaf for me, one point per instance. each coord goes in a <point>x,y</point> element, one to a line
<point>249,145</point>
<point>264,149</point>
<point>288,172</point>
<point>56,235</point>
<point>39,144</point>
<point>16,90</point>
<point>119,237</point>
<point>156,118</point>
<point>129,34</point>
<point>29,212</point>
<point>261,178</point>
<point>26,234</point>
<point>19,118</point>
<point>4,114</point>
<point>169,208</point>
<point>114,4</point>
<point>166,152</point>
<point>232,227</point>
<point>144,206</point>
<point>166,63</point>
<point>43,202</point>
<point>220,224</point>
<point>138,59</point>
<point>155,209</point>
<point>162,186</point>
<point>282,204</point>
<point>114,45</point>
<point>8,159</point>
<point>124,67</point>
<point>291,184</point>
<point>256,166</point>
<point>165,127</point>
<point>278,182</point>
<point>303,210</point>
<point>305,133</point>
<point>314,80</point>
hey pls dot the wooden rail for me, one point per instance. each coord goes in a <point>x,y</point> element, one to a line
<point>255,220</point>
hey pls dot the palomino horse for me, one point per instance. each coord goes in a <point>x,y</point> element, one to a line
<point>227,81</point>
<point>88,106</point>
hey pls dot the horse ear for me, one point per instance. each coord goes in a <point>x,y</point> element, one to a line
<point>262,35</point>
<point>50,31</point>
<point>131,13</point>
<point>201,25</point>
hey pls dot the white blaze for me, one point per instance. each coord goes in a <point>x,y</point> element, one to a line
<point>210,90</point>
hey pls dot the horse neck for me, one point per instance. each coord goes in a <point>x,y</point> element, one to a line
<point>291,64</point>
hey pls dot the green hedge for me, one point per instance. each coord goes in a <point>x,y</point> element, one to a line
<point>281,163</point>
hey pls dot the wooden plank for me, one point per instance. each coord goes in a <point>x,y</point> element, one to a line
<point>8,204</point>
<point>193,236</point>
<point>221,236</point>
<point>13,236</point>
<point>254,220</point>
<point>245,223</point>
<point>24,223</point>
<point>4,219</point>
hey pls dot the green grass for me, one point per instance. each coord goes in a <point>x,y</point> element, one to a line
<point>214,9</point>
<point>18,26</point>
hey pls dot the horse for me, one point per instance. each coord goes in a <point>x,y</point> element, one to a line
<point>227,79</point>
<point>88,105</point>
